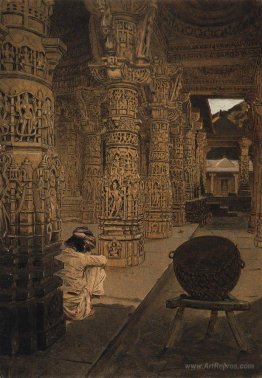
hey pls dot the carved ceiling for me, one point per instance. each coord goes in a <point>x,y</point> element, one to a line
<point>217,41</point>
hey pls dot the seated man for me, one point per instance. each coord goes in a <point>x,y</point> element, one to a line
<point>83,274</point>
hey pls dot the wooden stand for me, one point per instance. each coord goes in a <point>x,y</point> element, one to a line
<point>228,305</point>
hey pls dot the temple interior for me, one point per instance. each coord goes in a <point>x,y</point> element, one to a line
<point>107,119</point>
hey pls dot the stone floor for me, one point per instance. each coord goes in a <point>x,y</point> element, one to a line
<point>86,340</point>
<point>138,350</point>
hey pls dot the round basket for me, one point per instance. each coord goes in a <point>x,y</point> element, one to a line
<point>207,267</point>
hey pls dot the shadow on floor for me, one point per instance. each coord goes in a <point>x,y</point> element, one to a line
<point>139,353</point>
<point>73,355</point>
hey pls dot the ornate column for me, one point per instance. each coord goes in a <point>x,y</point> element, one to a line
<point>176,162</point>
<point>244,187</point>
<point>202,142</point>
<point>189,152</point>
<point>125,29</point>
<point>31,310</point>
<point>90,100</point>
<point>68,146</point>
<point>159,219</point>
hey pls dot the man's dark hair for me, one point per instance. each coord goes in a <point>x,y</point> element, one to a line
<point>76,243</point>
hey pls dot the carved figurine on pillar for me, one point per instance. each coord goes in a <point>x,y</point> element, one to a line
<point>30,183</point>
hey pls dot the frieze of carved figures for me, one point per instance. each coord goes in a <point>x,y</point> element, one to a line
<point>121,163</point>
<point>159,193</point>
<point>25,118</point>
<point>48,191</point>
<point>23,59</point>
<point>221,74</point>
<point>121,200</point>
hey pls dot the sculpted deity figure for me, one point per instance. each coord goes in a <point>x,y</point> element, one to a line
<point>26,64</point>
<point>8,56</point>
<point>116,198</point>
<point>155,198</point>
<point>40,63</point>
<point>114,249</point>
<point>47,118</point>
<point>27,120</point>
<point>4,114</point>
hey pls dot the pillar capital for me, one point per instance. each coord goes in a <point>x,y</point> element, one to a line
<point>244,144</point>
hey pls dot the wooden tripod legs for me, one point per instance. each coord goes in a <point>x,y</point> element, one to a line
<point>176,328</point>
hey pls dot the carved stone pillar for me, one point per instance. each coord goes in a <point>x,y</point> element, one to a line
<point>201,154</point>
<point>159,219</point>
<point>189,153</point>
<point>121,238</point>
<point>68,146</point>
<point>125,30</point>
<point>90,100</point>
<point>177,163</point>
<point>31,308</point>
<point>244,187</point>
<point>92,174</point>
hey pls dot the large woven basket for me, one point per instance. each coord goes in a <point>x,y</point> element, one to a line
<point>207,267</point>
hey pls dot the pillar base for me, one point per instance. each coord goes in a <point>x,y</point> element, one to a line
<point>244,191</point>
<point>31,325</point>
<point>179,216</point>
<point>158,226</point>
<point>121,247</point>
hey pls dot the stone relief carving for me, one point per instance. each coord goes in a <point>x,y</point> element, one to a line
<point>23,59</point>
<point>48,190</point>
<point>25,118</point>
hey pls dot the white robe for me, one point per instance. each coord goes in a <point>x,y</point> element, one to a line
<point>83,276</point>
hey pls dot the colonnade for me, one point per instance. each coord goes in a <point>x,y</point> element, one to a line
<point>129,204</point>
